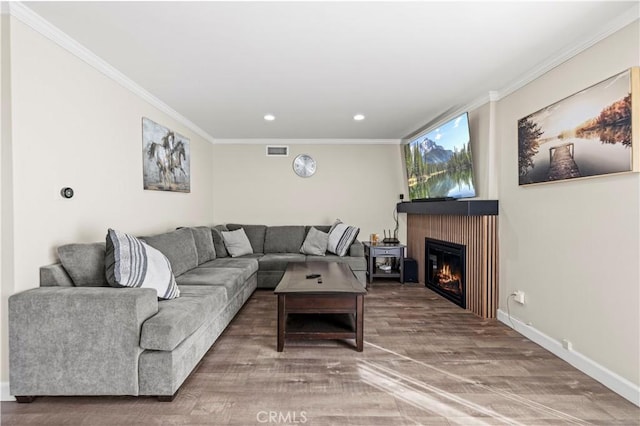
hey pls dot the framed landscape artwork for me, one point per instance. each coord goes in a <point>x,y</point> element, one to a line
<point>590,133</point>
<point>166,158</point>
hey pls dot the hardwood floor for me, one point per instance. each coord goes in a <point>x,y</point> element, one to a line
<point>425,361</point>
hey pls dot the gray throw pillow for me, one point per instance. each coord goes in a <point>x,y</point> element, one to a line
<point>255,234</point>
<point>84,263</point>
<point>218,241</point>
<point>179,247</point>
<point>315,243</point>
<point>130,262</point>
<point>204,243</point>
<point>341,237</point>
<point>237,243</point>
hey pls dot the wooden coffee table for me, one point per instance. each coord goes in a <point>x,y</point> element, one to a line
<point>333,309</point>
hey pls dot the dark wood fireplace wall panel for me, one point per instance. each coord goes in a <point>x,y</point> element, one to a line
<point>480,235</point>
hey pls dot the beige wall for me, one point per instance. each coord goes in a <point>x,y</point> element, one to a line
<point>6,213</point>
<point>573,246</point>
<point>72,126</point>
<point>482,150</point>
<point>359,184</point>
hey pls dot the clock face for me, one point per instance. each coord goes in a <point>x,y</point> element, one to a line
<point>304,165</point>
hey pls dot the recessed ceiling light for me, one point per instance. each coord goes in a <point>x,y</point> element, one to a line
<point>358,117</point>
<point>269,117</point>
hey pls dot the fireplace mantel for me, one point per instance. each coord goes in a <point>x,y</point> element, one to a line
<point>453,207</point>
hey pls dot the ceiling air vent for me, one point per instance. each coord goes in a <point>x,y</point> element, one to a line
<point>277,151</point>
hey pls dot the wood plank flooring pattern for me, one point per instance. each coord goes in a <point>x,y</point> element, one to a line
<point>425,362</point>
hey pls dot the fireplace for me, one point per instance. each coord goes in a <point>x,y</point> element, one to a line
<point>445,269</point>
<point>478,232</point>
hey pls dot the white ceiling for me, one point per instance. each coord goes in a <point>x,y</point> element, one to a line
<point>224,65</point>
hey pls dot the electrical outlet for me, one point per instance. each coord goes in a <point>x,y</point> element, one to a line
<point>518,296</point>
<point>567,344</point>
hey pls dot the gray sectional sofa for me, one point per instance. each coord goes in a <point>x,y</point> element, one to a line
<point>75,335</point>
<point>275,246</point>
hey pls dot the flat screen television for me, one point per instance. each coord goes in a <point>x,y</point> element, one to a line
<point>439,162</point>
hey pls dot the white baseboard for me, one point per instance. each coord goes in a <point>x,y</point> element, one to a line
<point>4,392</point>
<point>613,381</point>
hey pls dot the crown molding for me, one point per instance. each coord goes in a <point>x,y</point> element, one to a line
<point>39,24</point>
<point>448,115</point>
<point>616,24</point>
<point>293,141</point>
<point>45,28</point>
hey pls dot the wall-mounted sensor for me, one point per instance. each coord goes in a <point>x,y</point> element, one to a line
<point>66,192</point>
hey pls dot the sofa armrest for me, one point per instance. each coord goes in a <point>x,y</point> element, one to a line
<point>77,341</point>
<point>55,276</point>
<point>356,249</point>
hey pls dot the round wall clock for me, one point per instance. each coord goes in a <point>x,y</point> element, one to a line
<point>304,165</point>
<point>66,192</point>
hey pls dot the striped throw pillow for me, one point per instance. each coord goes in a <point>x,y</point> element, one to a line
<point>130,262</point>
<point>341,237</point>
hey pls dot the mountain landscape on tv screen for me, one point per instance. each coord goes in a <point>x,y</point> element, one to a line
<point>434,153</point>
<point>439,163</point>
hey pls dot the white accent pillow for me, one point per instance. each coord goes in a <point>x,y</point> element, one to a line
<point>130,262</point>
<point>335,223</point>
<point>315,243</point>
<point>237,243</point>
<point>341,237</point>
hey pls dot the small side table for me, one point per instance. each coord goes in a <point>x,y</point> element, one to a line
<point>371,252</point>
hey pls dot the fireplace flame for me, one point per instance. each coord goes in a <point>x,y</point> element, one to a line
<point>449,280</point>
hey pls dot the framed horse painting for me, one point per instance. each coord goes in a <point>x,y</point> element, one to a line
<point>166,158</point>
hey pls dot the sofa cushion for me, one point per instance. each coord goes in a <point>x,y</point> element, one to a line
<point>56,276</point>
<point>218,241</point>
<point>177,319</point>
<point>283,239</point>
<point>269,279</point>
<point>255,233</point>
<point>237,243</point>
<point>203,240</point>
<point>130,262</point>
<point>356,263</point>
<point>315,243</point>
<point>84,263</point>
<point>232,279</point>
<point>251,264</point>
<point>321,228</point>
<point>356,249</point>
<point>279,261</point>
<point>179,247</point>
<point>341,237</point>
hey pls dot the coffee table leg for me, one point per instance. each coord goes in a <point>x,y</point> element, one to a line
<point>359,323</point>
<point>281,322</point>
